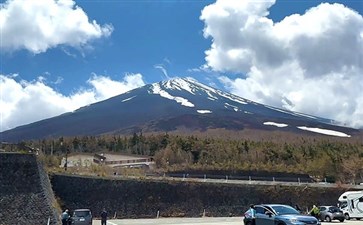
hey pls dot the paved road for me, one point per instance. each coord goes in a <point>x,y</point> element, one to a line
<point>199,221</point>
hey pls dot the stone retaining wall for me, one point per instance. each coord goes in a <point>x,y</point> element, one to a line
<point>128,198</point>
<point>26,196</point>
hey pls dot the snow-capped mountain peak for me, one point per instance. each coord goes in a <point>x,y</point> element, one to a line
<point>190,85</point>
<point>170,105</point>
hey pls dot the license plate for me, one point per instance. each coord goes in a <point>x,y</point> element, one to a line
<point>82,219</point>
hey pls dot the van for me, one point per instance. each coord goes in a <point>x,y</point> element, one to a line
<point>351,203</point>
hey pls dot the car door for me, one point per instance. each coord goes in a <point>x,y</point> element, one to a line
<point>262,218</point>
<point>323,212</point>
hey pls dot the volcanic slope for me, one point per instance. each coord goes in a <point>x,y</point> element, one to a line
<point>169,106</point>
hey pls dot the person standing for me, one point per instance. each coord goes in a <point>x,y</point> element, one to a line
<point>315,212</point>
<point>253,214</point>
<point>65,217</point>
<point>104,217</point>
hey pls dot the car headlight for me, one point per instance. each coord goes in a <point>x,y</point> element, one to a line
<point>293,220</point>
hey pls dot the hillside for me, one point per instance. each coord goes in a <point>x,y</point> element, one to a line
<point>177,104</point>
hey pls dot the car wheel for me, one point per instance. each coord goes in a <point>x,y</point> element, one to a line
<point>327,219</point>
<point>249,223</point>
<point>341,220</point>
<point>347,217</point>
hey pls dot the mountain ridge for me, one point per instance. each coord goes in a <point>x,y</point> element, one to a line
<point>167,105</point>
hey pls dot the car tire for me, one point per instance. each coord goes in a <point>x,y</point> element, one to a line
<point>357,218</point>
<point>249,223</point>
<point>341,220</point>
<point>347,217</point>
<point>327,219</point>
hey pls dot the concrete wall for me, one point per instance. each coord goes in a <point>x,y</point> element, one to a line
<point>142,198</point>
<point>26,196</point>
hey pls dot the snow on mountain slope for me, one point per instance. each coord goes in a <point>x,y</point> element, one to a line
<point>168,105</point>
<point>184,90</point>
<point>178,89</point>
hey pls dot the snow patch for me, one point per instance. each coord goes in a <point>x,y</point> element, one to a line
<point>279,110</point>
<point>275,124</point>
<point>127,99</point>
<point>306,115</point>
<point>291,113</point>
<point>204,111</point>
<point>233,98</point>
<point>156,89</point>
<point>324,131</point>
<point>179,84</point>
<point>235,108</point>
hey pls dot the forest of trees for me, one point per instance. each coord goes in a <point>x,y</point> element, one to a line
<point>339,159</point>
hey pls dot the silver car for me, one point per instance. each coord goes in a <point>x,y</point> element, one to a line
<point>82,217</point>
<point>329,213</point>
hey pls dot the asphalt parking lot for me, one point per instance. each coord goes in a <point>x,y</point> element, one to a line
<point>198,221</point>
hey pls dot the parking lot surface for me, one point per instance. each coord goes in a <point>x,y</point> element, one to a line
<point>199,221</point>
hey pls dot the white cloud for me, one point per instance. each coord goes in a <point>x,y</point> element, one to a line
<point>23,102</point>
<point>310,63</point>
<point>42,24</point>
<point>162,68</point>
<point>105,87</point>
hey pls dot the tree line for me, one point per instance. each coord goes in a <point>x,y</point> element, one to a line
<point>339,160</point>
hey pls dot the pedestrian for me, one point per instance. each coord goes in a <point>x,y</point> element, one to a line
<point>104,217</point>
<point>253,214</point>
<point>65,217</point>
<point>315,212</point>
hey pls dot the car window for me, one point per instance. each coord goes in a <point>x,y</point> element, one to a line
<point>334,209</point>
<point>322,208</point>
<point>284,210</point>
<point>259,210</point>
<point>82,213</point>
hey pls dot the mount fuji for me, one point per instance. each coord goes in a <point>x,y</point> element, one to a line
<point>176,104</point>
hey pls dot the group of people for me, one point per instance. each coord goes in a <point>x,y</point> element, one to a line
<point>66,217</point>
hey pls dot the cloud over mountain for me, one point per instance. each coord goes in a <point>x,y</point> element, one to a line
<point>39,25</point>
<point>23,102</point>
<point>310,63</point>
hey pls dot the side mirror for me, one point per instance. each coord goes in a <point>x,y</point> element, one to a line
<point>268,213</point>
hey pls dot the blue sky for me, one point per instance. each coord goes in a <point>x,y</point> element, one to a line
<point>299,55</point>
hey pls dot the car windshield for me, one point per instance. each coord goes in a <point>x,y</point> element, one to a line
<point>283,210</point>
<point>81,213</point>
<point>334,209</point>
<point>343,205</point>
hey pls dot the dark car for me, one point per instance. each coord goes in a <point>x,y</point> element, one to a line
<point>276,214</point>
<point>329,213</point>
<point>82,217</point>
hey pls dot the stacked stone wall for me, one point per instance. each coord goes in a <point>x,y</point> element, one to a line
<point>25,193</point>
<point>127,198</point>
